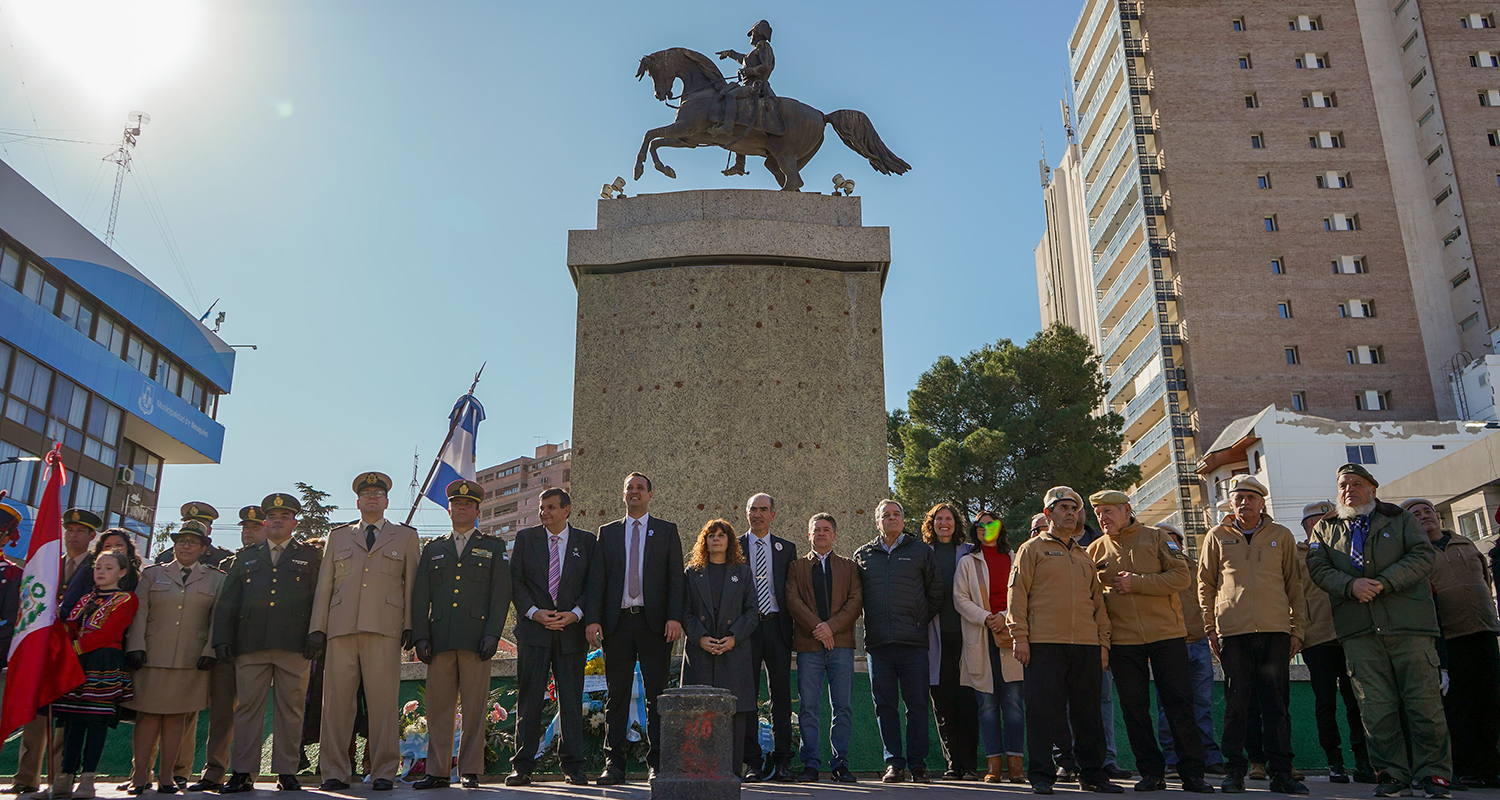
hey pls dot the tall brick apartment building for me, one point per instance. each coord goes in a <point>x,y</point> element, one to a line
<point>511,489</point>
<point>1275,203</point>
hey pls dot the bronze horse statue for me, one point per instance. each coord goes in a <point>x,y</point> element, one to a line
<point>703,87</point>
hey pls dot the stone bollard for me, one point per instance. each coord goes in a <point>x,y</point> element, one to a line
<point>697,733</point>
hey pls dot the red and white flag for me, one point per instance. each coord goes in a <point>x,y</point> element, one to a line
<point>42,666</point>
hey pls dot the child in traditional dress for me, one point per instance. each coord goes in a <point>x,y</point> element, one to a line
<point>97,626</point>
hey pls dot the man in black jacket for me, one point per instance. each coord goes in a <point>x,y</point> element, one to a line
<point>549,569</point>
<point>769,558</point>
<point>634,610</point>
<point>903,591</point>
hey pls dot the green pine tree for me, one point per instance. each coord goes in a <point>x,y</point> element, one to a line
<point>313,523</point>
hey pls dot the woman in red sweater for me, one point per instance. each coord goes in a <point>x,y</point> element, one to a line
<point>97,626</point>
<point>988,665</point>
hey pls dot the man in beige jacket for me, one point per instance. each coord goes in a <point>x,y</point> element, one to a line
<point>362,613</point>
<point>1250,589</point>
<point>1142,570</point>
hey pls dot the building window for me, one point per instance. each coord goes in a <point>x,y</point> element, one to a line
<point>1359,453</point>
<point>1416,79</point>
<point>15,478</point>
<point>1434,155</point>
<point>1284,309</point>
<point>1341,222</point>
<point>103,431</point>
<point>1257,141</point>
<point>1459,279</point>
<point>1443,195</point>
<point>1372,401</point>
<point>1333,180</point>
<point>1238,23</point>
<point>1264,180</point>
<point>1270,223</point>
<point>1469,322</point>
<point>1292,357</point>
<point>1305,23</point>
<point>1477,21</point>
<point>1426,116</point>
<point>1299,401</point>
<point>1484,58</point>
<point>1323,139</point>
<point>1357,308</point>
<point>1489,98</point>
<point>1365,354</point>
<point>1320,100</point>
<point>1313,61</point>
<point>1452,236</point>
<point>29,385</point>
<point>70,403</point>
<point>1278,266</point>
<point>90,495</point>
<point>76,313</point>
<point>1410,40</point>
<point>1400,7</point>
<point>1494,137</point>
<point>1244,61</point>
<point>1472,525</point>
<point>1349,265</point>
<point>1251,101</point>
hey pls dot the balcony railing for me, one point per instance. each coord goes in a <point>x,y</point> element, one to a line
<point>1123,281</point>
<point>1144,400</point>
<point>1128,192</point>
<point>1117,243</point>
<point>1090,26</point>
<point>1160,433</point>
<point>1144,353</point>
<point>1115,60</point>
<point>1125,143</point>
<point>1118,108</point>
<point>1160,485</point>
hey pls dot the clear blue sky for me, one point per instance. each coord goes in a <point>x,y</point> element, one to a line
<point>380,193</point>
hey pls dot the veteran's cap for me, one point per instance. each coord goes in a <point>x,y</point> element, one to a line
<point>1247,483</point>
<point>1317,509</point>
<point>1109,497</point>
<point>1418,501</point>
<point>465,490</point>
<point>252,514</point>
<point>372,480</point>
<point>1057,493</point>
<point>281,500</point>
<point>192,527</point>
<point>203,512</point>
<point>84,517</point>
<point>1358,469</point>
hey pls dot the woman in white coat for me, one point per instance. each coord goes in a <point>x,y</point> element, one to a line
<point>988,665</point>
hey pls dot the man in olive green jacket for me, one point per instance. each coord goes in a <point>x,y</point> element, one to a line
<point>1375,562</point>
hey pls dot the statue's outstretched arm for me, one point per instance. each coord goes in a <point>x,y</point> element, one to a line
<point>734,55</point>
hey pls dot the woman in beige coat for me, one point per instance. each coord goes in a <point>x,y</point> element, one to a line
<point>987,664</point>
<point>168,648</point>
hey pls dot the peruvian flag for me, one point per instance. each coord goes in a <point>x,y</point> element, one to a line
<point>43,666</point>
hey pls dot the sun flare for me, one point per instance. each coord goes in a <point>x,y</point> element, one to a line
<point>112,50</point>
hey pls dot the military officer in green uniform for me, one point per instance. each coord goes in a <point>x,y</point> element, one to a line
<point>460,600</point>
<point>261,622</point>
<point>1374,561</point>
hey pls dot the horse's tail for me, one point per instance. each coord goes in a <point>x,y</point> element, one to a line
<point>857,132</point>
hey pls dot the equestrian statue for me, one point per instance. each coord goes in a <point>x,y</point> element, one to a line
<point>747,118</point>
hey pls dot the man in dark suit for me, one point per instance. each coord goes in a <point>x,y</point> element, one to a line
<point>771,641</point>
<point>456,626</point>
<point>635,611</point>
<point>549,570</point>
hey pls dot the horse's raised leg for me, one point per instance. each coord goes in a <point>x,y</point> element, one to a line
<point>663,168</point>
<point>676,130</point>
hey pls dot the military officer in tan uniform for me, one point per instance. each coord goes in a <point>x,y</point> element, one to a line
<point>363,612</point>
<point>168,650</point>
<point>460,600</point>
<point>214,555</point>
<point>261,623</point>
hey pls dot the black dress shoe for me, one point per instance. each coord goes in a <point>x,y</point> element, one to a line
<point>749,773</point>
<point>167,788</point>
<point>431,782</point>
<point>970,775</point>
<point>1336,774</point>
<point>807,775</point>
<point>518,779</point>
<point>1286,784</point>
<point>1041,788</point>
<point>382,785</point>
<point>919,775</point>
<point>843,775</point>
<point>1113,772</point>
<point>1150,783</point>
<point>288,783</point>
<point>612,776</point>
<point>1233,784</point>
<point>469,781</point>
<point>576,778</point>
<point>205,785</point>
<point>953,775</point>
<point>136,791</point>
<point>238,782</point>
<point>1197,786</point>
<point>1102,788</point>
<point>893,774</point>
<point>783,773</point>
<point>333,785</point>
<point>122,787</point>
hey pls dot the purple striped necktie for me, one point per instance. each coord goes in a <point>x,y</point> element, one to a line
<point>554,569</point>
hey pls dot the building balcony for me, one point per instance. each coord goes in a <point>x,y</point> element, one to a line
<point>1123,376</point>
<point>1130,280</point>
<point>1161,486</point>
<point>1124,145</point>
<point>1089,28</point>
<point>1143,407</point>
<point>1117,119</point>
<point>1107,58</point>
<point>1104,265</point>
<point>1126,192</point>
<point>1146,450</point>
<point>1122,332</point>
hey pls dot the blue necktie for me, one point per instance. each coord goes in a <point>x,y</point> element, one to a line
<point>1357,533</point>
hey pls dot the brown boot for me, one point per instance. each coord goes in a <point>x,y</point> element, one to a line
<point>1017,775</point>
<point>996,771</point>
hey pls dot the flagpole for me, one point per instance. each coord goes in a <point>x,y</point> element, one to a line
<point>452,428</point>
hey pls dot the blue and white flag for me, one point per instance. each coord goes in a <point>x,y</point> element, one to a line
<point>457,458</point>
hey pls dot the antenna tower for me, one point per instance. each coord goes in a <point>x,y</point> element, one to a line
<point>121,158</point>
<point>416,464</point>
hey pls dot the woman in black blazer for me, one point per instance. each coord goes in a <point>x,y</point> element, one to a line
<point>721,613</point>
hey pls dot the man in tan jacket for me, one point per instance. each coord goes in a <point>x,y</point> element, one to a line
<point>1142,569</point>
<point>362,613</point>
<point>1061,631</point>
<point>825,597</point>
<point>1461,582</point>
<point>1250,589</point>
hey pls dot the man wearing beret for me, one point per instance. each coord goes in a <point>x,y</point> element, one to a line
<point>1461,582</point>
<point>362,613</point>
<point>460,600</point>
<point>1326,670</point>
<point>1061,628</point>
<point>1375,563</point>
<point>1142,569</point>
<point>261,623</point>
<point>1250,590</point>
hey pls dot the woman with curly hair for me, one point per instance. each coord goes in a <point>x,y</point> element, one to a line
<point>721,613</point>
<point>953,702</point>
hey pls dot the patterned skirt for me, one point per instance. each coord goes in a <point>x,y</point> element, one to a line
<point>106,685</point>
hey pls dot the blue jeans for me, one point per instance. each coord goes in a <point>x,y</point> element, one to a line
<point>1201,671</point>
<point>901,670</point>
<point>1107,715</point>
<point>835,669</point>
<point>1003,705</point>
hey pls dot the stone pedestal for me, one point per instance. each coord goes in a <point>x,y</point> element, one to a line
<point>729,342</point>
<point>697,748</point>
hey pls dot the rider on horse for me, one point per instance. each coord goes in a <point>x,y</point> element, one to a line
<point>755,86</point>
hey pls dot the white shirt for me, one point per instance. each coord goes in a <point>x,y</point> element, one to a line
<point>757,542</point>
<point>640,559</point>
<point>562,554</point>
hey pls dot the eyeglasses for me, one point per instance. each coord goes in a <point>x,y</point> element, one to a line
<point>372,493</point>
